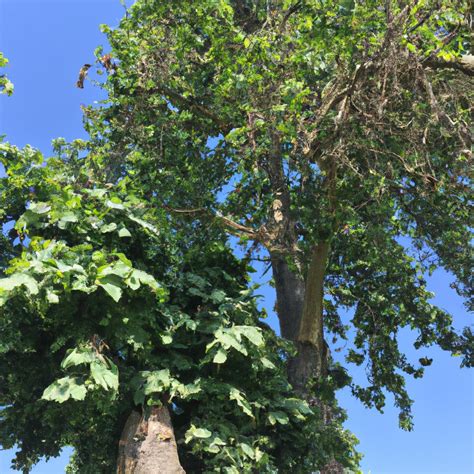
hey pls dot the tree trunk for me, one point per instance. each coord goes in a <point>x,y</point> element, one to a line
<point>148,445</point>
<point>312,349</point>
<point>290,290</point>
<point>300,313</point>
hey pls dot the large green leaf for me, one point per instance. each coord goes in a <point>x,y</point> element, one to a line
<point>220,357</point>
<point>79,356</point>
<point>19,279</point>
<point>157,381</point>
<point>39,207</point>
<point>252,333</point>
<point>104,376</point>
<point>243,403</point>
<point>278,417</point>
<point>194,432</point>
<point>111,286</point>
<point>119,269</point>
<point>64,389</point>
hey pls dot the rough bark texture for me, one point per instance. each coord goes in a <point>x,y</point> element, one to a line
<point>148,445</point>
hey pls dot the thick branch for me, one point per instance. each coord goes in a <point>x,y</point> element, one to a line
<point>335,96</point>
<point>280,227</point>
<point>464,64</point>
<point>235,226</point>
<point>232,226</point>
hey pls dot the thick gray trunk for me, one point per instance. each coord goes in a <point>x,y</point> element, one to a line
<point>290,290</point>
<point>300,313</point>
<point>290,293</point>
<point>148,445</point>
<point>305,367</point>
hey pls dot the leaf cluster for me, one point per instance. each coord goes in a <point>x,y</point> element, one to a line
<point>95,324</point>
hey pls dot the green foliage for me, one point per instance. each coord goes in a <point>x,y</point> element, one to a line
<point>286,124</point>
<point>87,333</point>
<point>374,149</point>
<point>64,389</point>
<point>6,86</point>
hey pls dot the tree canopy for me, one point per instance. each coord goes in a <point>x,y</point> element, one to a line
<point>84,323</point>
<point>331,138</point>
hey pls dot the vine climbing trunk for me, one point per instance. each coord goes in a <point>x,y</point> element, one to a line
<point>148,445</point>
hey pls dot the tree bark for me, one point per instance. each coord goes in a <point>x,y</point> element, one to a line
<point>299,302</point>
<point>464,64</point>
<point>300,313</point>
<point>148,445</point>
<point>290,290</point>
<point>312,349</point>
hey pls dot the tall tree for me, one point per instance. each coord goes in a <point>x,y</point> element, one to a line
<point>333,137</point>
<point>332,134</point>
<point>136,339</point>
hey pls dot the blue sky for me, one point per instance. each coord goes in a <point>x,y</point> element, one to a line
<point>47,41</point>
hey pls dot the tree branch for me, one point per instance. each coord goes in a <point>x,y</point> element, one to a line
<point>464,64</point>
<point>232,226</point>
